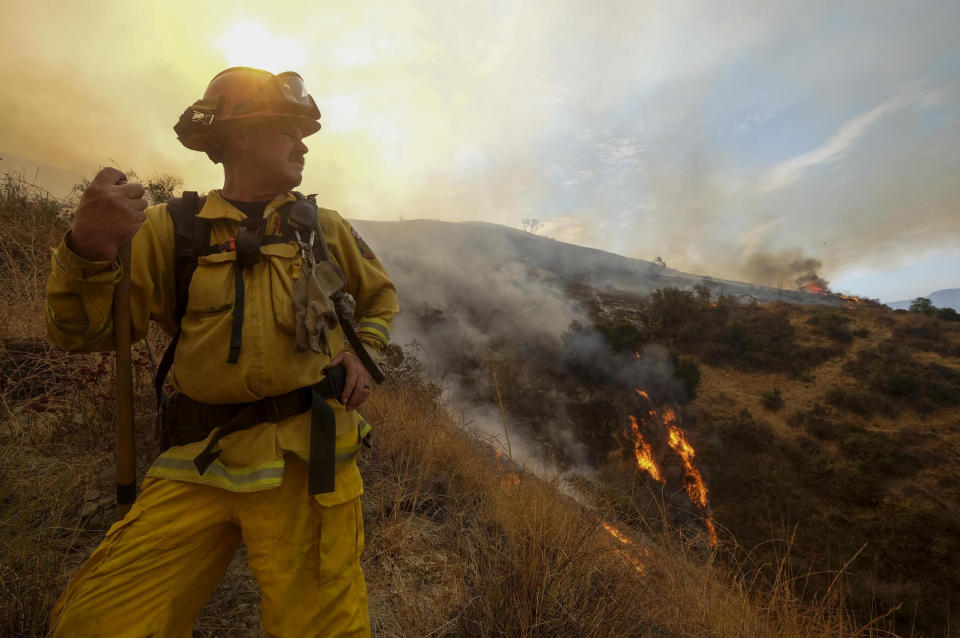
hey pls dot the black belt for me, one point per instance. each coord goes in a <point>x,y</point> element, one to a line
<point>188,420</point>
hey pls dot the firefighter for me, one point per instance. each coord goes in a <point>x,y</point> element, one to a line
<point>262,435</point>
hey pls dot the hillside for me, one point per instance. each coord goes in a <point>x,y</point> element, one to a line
<point>771,442</point>
<point>417,245</point>
<point>822,434</point>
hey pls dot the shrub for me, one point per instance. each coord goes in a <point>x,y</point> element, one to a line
<point>889,370</point>
<point>816,420</point>
<point>948,314</point>
<point>833,326</point>
<point>689,373</point>
<point>923,305</point>
<point>862,402</point>
<point>622,335</point>
<point>772,399</point>
<point>672,307</point>
<point>747,432</point>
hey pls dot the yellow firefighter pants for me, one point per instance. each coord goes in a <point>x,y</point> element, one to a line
<point>156,568</point>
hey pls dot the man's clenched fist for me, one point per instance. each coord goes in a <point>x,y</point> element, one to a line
<point>109,214</point>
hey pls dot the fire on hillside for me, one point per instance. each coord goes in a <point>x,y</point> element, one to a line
<point>817,288</point>
<point>666,422</point>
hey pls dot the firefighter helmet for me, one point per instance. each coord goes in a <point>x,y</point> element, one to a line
<point>245,94</point>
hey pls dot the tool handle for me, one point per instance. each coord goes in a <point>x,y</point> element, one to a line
<point>126,459</point>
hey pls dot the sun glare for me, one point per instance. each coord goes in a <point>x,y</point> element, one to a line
<point>250,44</point>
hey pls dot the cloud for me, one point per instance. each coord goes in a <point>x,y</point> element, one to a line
<point>792,170</point>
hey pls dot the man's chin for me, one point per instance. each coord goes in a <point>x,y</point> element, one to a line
<point>294,177</point>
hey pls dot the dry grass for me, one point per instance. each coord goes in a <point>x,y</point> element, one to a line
<point>459,546</point>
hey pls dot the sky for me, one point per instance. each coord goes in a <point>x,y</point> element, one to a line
<point>749,140</point>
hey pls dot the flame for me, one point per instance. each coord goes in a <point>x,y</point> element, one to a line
<point>818,289</point>
<point>623,540</point>
<point>711,531</point>
<point>851,301</point>
<point>692,477</point>
<point>617,534</point>
<point>713,304</point>
<point>643,452</point>
<point>677,441</point>
<point>813,288</point>
<point>510,480</point>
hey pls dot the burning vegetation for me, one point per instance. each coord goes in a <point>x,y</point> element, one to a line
<point>664,422</point>
<point>820,287</point>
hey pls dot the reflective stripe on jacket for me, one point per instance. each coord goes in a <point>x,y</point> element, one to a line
<point>79,298</point>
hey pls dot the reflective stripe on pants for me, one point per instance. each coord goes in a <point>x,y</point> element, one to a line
<point>155,569</point>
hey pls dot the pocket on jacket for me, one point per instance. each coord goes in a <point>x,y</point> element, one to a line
<point>282,260</point>
<point>212,288</point>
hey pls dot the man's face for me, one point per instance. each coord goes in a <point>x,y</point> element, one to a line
<point>274,156</point>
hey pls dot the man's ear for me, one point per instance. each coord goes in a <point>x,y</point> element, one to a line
<point>238,137</point>
<point>235,141</point>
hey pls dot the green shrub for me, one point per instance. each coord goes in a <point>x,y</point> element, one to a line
<point>622,335</point>
<point>689,373</point>
<point>923,306</point>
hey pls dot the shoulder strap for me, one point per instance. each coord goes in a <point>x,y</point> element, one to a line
<point>191,237</point>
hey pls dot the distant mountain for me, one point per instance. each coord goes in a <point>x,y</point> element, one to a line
<point>947,298</point>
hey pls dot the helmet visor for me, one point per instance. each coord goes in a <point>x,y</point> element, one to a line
<point>284,93</point>
<point>292,88</point>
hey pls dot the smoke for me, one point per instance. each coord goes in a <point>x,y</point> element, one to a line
<point>466,294</point>
<point>783,269</point>
<point>471,298</point>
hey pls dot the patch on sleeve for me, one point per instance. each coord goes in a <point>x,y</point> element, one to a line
<point>362,245</point>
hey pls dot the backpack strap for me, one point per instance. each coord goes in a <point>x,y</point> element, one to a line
<point>191,239</point>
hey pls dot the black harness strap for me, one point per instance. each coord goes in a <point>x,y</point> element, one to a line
<point>236,333</point>
<point>351,334</point>
<point>235,417</point>
<point>191,236</point>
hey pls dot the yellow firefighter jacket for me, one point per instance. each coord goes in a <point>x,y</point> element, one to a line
<point>79,318</point>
